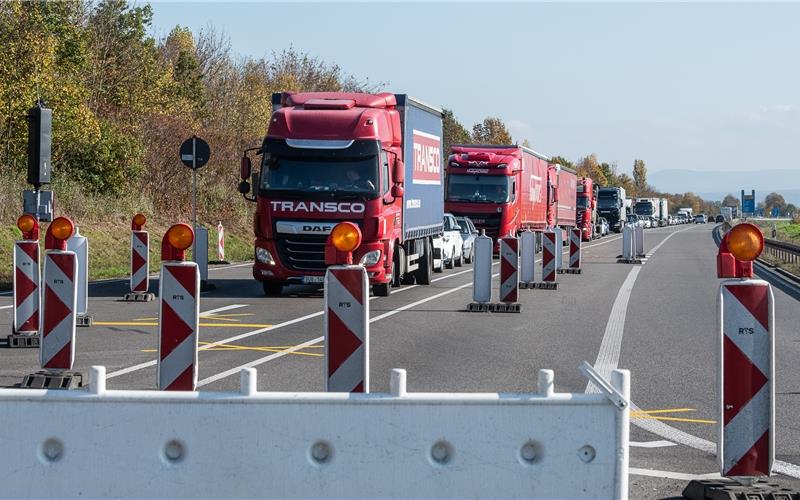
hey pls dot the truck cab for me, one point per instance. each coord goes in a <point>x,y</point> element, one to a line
<point>586,218</point>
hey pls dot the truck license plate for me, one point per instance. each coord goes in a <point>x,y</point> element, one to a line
<point>309,280</point>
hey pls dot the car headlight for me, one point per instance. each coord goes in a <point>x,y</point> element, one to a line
<point>370,258</point>
<point>263,256</point>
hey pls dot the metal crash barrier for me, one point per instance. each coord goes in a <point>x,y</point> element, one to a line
<point>148,444</point>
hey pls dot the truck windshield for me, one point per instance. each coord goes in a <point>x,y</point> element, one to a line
<point>323,175</point>
<point>478,188</point>
<point>583,202</point>
<point>607,200</point>
<point>643,209</point>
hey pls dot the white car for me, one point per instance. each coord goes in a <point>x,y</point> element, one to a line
<point>453,251</point>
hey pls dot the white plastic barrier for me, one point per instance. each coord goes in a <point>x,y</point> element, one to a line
<point>527,256</point>
<point>628,242</point>
<point>80,245</point>
<point>148,444</point>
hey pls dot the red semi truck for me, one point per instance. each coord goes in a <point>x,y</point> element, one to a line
<point>375,160</point>
<point>586,218</point>
<point>501,188</point>
<point>562,187</point>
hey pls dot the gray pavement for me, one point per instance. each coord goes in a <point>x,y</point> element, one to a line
<point>668,342</point>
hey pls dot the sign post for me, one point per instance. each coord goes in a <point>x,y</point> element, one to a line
<point>195,153</point>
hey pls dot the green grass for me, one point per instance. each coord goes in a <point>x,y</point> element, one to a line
<point>787,230</point>
<point>109,248</point>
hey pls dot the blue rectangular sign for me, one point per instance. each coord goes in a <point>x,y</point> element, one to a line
<point>748,205</point>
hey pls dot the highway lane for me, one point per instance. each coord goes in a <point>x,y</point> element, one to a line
<point>668,342</point>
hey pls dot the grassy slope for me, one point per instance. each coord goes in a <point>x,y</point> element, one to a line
<point>109,248</point>
<point>786,231</point>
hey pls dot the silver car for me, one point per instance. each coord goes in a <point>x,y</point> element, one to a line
<point>468,233</point>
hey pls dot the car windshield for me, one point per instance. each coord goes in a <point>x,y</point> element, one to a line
<point>320,175</point>
<point>464,225</point>
<point>478,188</point>
<point>583,202</point>
<point>643,208</point>
<point>607,199</point>
<point>450,225</point>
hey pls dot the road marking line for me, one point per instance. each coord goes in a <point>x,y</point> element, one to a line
<point>7,307</point>
<point>671,475</point>
<point>652,444</point>
<point>207,325</point>
<point>232,347</point>
<point>300,319</point>
<point>674,419</point>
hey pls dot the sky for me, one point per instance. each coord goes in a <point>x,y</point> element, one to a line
<point>692,86</point>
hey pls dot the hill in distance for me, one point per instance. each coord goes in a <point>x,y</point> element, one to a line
<point>714,185</point>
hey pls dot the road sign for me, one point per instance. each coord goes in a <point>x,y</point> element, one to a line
<point>195,152</point>
<point>749,203</point>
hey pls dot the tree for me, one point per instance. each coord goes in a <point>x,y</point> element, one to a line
<point>624,181</point>
<point>453,131</point>
<point>730,201</point>
<point>560,160</point>
<point>640,176</point>
<point>774,201</point>
<point>526,143</point>
<point>491,131</point>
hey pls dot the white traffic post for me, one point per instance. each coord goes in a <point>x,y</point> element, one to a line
<point>201,256</point>
<point>220,242</point>
<point>559,235</point>
<point>482,274</point>
<point>179,312</point>
<point>746,444</point>
<point>346,329</point>
<point>509,275</point>
<point>628,244</point>
<point>26,288</point>
<point>574,251</point>
<point>639,240</point>
<point>527,256</point>
<point>140,261</point>
<point>80,245</point>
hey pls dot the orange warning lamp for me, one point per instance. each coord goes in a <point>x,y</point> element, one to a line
<point>738,249</point>
<point>29,226</point>
<point>176,240</point>
<point>344,238</point>
<point>138,221</point>
<point>58,232</point>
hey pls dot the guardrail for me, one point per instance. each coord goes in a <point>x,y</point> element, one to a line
<point>787,252</point>
<point>144,444</point>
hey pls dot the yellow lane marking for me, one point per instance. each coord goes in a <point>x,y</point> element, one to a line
<point>233,347</point>
<point>676,419</point>
<point>669,410</point>
<point>210,316</point>
<point>208,325</point>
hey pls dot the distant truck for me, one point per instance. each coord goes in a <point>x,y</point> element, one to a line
<point>375,160</point>
<point>562,188</point>
<point>663,212</point>
<point>648,207</point>
<point>501,188</point>
<point>586,218</point>
<point>688,212</point>
<point>611,205</point>
<point>727,213</point>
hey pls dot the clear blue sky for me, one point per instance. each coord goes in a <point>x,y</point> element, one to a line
<point>706,87</point>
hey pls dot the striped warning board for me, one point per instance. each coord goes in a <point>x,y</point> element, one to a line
<point>509,269</point>
<point>575,248</point>
<point>179,311</point>
<point>220,242</point>
<point>346,329</point>
<point>59,300</point>
<point>140,261</point>
<point>26,287</point>
<point>549,249</point>
<point>747,394</point>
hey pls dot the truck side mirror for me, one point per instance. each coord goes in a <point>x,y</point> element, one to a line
<point>398,191</point>
<point>399,172</point>
<point>244,187</point>
<point>245,168</point>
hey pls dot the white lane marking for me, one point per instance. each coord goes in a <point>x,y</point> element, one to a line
<point>671,475</point>
<point>7,307</point>
<point>271,357</point>
<point>652,444</point>
<point>223,308</point>
<point>147,364</point>
<point>610,350</point>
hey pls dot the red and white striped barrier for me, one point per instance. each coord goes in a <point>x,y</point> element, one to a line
<point>140,261</point>
<point>574,251</point>
<point>746,445</point>
<point>26,287</point>
<point>550,249</point>
<point>220,242</point>
<point>346,329</point>
<point>509,269</point>
<point>59,301</point>
<point>179,311</point>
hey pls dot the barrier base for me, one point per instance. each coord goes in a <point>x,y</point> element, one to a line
<point>507,307</point>
<point>572,270</point>
<point>53,379</point>
<point>540,285</point>
<point>219,262</point>
<point>84,321</point>
<point>22,340</point>
<point>726,489</point>
<point>479,307</point>
<point>629,261</point>
<point>139,297</point>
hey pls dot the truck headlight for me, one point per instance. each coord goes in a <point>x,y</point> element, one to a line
<point>370,258</point>
<point>263,256</point>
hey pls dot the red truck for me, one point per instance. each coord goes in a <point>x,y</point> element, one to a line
<point>375,160</point>
<point>507,188</point>
<point>501,188</point>
<point>586,218</point>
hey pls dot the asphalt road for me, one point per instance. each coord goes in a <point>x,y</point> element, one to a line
<point>666,336</point>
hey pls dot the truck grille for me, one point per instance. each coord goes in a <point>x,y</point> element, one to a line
<point>301,252</point>
<point>489,222</point>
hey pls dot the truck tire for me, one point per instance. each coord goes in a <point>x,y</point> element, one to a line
<point>382,289</point>
<point>272,289</point>
<point>425,270</point>
<point>397,266</point>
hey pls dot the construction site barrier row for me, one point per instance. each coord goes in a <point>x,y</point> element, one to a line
<point>146,444</point>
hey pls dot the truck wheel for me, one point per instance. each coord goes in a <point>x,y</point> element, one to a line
<point>382,289</point>
<point>272,289</point>
<point>397,267</point>
<point>425,270</point>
